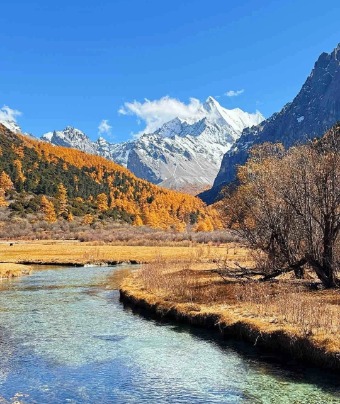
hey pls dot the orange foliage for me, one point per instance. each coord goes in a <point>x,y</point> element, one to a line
<point>48,209</point>
<point>148,204</point>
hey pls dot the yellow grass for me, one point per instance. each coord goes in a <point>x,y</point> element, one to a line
<point>9,270</point>
<point>82,253</point>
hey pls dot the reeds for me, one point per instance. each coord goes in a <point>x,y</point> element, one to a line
<point>287,302</point>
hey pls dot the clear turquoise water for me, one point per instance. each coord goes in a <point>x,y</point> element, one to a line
<point>65,338</point>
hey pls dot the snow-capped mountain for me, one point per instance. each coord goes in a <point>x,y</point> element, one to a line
<point>71,137</point>
<point>14,127</point>
<point>11,125</point>
<point>312,112</point>
<point>181,154</point>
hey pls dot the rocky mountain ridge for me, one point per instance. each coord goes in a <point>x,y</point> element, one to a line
<point>314,110</point>
<point>182,154</point>
<point>11,125</point>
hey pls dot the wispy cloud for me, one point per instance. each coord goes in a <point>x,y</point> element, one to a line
<point>8,114</point>
<point>234,93</point>
<point>104,128</point>
<point>157,112</point>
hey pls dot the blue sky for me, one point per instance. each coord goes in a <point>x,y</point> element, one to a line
<point>77,62</point>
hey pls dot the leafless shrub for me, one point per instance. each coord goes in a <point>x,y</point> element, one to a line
<point>31,228</point>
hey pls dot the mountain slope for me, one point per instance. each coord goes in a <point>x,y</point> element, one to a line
<point>37,177</point>
<point>181,154</point>
<point>184,154</point>
<point>313,111</point>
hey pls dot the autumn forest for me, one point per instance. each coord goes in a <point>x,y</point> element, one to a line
<point>55,183</point>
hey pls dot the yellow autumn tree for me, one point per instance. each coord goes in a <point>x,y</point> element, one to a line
<point>5,181</point>
<point>179,226</point>
<point>205,224</point>
<point>70,217</point>
<point>138,221</point>
<point>102,202</point>
<point>19,175</point>
<point>48,209</point>
<point>5,185</point>
<point>88,219</point>
<point>3,201</point>
<point>151,218</point>
<point>62,200</point>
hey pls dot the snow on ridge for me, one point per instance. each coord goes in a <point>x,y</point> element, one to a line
<point>236,118</point>
<point>181,152</point>
<point>47,136</point>
<point>211,113</point>
<point>11,125</point>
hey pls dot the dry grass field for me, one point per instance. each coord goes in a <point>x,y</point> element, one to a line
<point>11,270</point>
<point>61,252</point>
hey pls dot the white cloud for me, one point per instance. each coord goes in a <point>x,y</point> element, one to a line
<point>104,128</point>
<point>234,93</point>
<point>8,114</point>
<point>157,112</point>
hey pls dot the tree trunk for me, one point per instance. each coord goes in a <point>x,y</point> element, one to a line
<point>328,263</point>
<point>326,275</point>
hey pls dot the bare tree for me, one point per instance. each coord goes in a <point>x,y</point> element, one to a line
<point>288,206</point>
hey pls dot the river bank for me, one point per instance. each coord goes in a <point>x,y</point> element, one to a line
<point>235,316</point>
<point>11,270</point>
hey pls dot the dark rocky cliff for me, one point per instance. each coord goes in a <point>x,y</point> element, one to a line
<point>313,111</point>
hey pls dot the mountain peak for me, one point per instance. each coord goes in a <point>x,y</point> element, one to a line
<point>70,137</point>
<point>185,151</point>
<point>314,110</point>
<point>211,104</point>
<point>211,100</point>
<point>11,125</point>
<point>337,52</point>
<point>72,129</point>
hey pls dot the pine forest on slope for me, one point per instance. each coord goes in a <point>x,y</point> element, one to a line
<point>37,179</point>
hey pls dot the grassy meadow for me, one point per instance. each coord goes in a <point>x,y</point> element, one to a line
<point>63,252</point>
<point>12,270</point>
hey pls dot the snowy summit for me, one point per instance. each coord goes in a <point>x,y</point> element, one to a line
<point>181,154</point>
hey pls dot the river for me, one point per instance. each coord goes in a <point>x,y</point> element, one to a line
<point>66,338</point>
